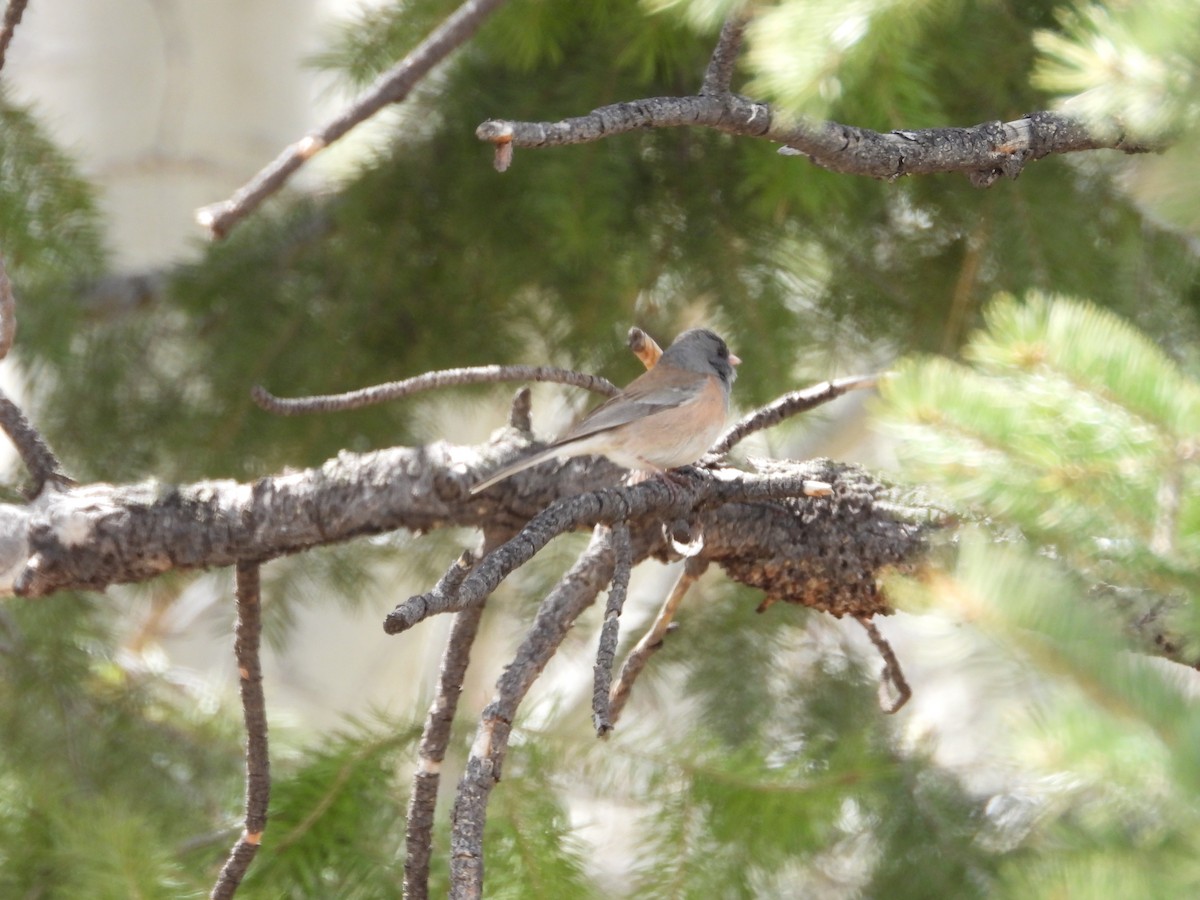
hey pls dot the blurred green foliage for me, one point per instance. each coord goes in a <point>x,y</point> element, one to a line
<point>1061,431</point>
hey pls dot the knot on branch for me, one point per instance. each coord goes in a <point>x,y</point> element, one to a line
<point>825,552</point>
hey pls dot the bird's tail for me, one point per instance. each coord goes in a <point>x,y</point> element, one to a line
<point>513,468</point>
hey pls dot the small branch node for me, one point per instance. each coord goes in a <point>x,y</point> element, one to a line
<point>644,347</point>
<point>520,413</point>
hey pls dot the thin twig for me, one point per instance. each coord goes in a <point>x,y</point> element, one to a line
<point>381,393</point>
<point>418,837</point>
<point>606,649</point>
<point>789,405</point>
<point>520,413</point>
<point>12,18</point>
<point>247,639</point>
<point>574,593</point>
<point>652,641</point>
<point>719,74</point>
<point>39,459</point>
<point>605,507</point>
<point>984,152</point>
<point>892,673</point>
<point>391,87</point>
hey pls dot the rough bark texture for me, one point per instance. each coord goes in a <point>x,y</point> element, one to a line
<point>821,551</point>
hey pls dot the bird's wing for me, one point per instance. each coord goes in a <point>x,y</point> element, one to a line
<point>638,401</point>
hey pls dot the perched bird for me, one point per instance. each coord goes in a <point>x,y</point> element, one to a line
<point>665,418</point>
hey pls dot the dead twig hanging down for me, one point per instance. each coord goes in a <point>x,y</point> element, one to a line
<point>391,87</point>
<point>247,638</point>
<point>892,673</point>
<point>12,18</point>
<point>606,649</point>
<point>790,405</point>
<point>652,641</point>
<point>435,738</point>
<point>574,593</point>
<point>381,393</point>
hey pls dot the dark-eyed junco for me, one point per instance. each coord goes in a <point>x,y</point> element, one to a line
<point>664,418</point>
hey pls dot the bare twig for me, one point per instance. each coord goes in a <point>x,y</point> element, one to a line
<point>39,459</point>
<point>606,649</point>
<point>520,414</point>
<point>574,593</point>
<point>258,766</point>
<point>983,152</point>
<point>418,838</point>
<point>12,18</point>
<point>789,405</point>
<point>605,507</point>
<point>381,393</point>
<point>644,347</point>
<point>719,73</point>
<point>391,87</point>
<point>892,673</point>
<point>652,640</point>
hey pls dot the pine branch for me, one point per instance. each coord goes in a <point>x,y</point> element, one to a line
<point>392,86</point>
<point>247,638</point>
<point>574,593</point>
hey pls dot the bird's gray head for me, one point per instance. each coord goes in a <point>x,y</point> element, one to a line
<point>701,350</point>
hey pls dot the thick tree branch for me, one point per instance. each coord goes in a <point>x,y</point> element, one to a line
<point>247,638</point>
<point>576,591</point>
<point>984,152</point>
<point>381,393</point>
<point>391,87</point>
